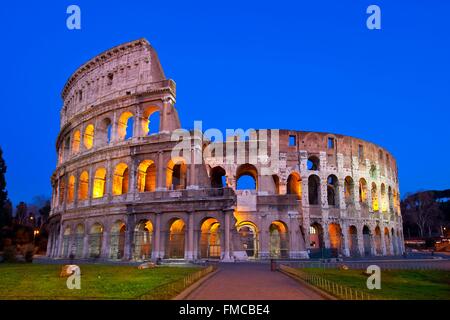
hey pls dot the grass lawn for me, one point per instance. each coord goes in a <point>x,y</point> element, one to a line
<point>39,281</point>
<point>395,284</point>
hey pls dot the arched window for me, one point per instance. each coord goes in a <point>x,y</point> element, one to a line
<point>83,186</point>
<point>120,180</point>
<point>276,184</point>
<point>176,175</point>
<point>146,180</point>
<point>294,184</point>
<point>332,190</point>
<point>71,189</point>
<point>374,194</point>
<point>125,126</point>
<point>76,142</point>
<point>279,240</point>
<point>313,163</point>
<point>349,188</point>
<point>313,189</point>
<point>150,123</point>
<point>210,238</point>
<point>88,138</point>
<point>218,177</point>
<point>246,177</point>
<point>104,132</point>
<point>362,190</point>
<point>175,241</point>
<point>143,240</point>
<point>98,191</point>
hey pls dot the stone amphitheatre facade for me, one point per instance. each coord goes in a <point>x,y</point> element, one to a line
<point>119,193</point>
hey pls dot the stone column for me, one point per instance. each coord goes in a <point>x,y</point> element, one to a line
<point>132,182</point>
<point>189,254</point>
<point>226,256</point>
<point>383,243</point>
<point>105,244</point>
<point>86,243</point>
<point>156,253</point>
<point>326,235</point>
<point>160,183</point>
<point>360,237</point>
<point>345,240</point>
<point>114,128</point>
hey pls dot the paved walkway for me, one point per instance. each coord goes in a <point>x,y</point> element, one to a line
<point>251,281</point>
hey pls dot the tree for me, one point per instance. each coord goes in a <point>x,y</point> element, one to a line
<point>4,218</point>
<point>21,212</point>
<point>422,210</point>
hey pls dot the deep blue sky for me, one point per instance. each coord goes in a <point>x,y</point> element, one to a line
<point>309,65</point>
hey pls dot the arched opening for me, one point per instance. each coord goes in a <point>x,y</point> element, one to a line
<point>374,193</point>
<point>279,240</point>
<point>332,191</point>
<point>146,179</point>
<point>175,241</point>
<point>313,163</point>
<point>362,190</point>
<point>294,185</point>
<point>83,186</point>
<point>387,241</point>
<point>79,241</point>
<point>120,180</point>
<point>384,202</point>
<point>125,126</point>
<point>76,142</point>
<point>176,175</point>
<point>66,242</point>
<point>95,240</point>
<point>98,190</point>
<point>316,236</point>
<point>373,172</point>
<point>378,240</point>
<point>71,189</point>
<point>313,189</point>
<point>104,132</point>
<point>335,234</point>
<point>246,177</point>
<point>117,240</point>
<point>349,188</point>
<point>276,184</point>
<point>367,241</point>
<point>218,177</point>
<point>248,239</point>
<point>353,241</point>
<point>88,138</point>
<point>210,239</point>
<point>150,122</point>
<point>143,233</point>
<point>66,148</point>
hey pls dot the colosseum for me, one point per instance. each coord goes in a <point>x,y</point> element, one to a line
<point>119,193</point>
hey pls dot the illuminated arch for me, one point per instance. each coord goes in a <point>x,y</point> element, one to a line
<point>88,138</point>
<point>248,238</point>
<point>294,184</point>
<point>384,201</point>
<point>125,126</point>
<point>76,140</point>
<point>349,190</point>
<point>362,190</point>
<point>120,179</point>
<point>146,176</point>
<point>98,190</point>
<point>71,189</point>
<point>279,240</point>
<point>176,239</point>
<point>83,186</point>
<point>210,239</point>
<point>176,174</point>
<point>150,121</point>
<point>95,240</point>
<point>374,193</point>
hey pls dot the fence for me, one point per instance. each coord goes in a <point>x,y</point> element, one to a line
<point>331,287</point>
<point>170,290</point>
<point>384,265</point>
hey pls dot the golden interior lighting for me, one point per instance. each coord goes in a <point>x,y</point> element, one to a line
<point>89,136</point>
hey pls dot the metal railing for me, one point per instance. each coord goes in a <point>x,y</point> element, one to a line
<point>170,290</point>
<point>333,288</point>
<point>384,265</point>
